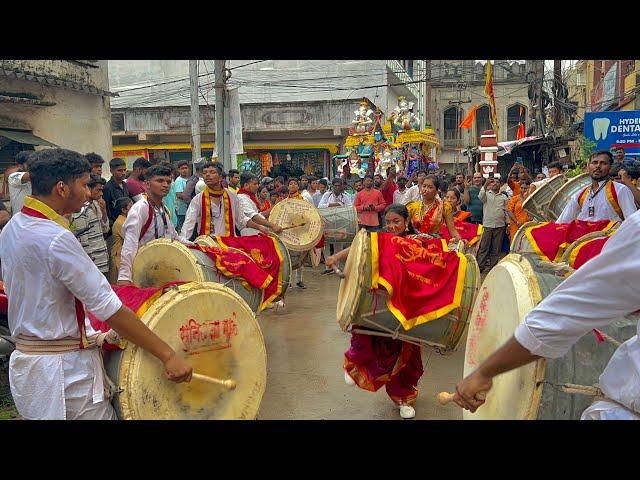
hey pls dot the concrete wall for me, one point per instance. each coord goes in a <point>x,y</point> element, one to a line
<point>79,121</point>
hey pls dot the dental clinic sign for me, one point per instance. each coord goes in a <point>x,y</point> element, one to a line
<point>614,129</point>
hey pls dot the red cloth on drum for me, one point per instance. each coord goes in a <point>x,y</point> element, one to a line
<point>264,250</point>
<point>424,280</point>
<point>373,361</point>
<point>470,232</point>
<point>320,243</point>
<point>585,252</point>
<point>550,239</point>
<point>137,299</point>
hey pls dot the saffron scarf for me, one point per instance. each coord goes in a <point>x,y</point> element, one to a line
<point>205,215</point>
<point>37,209</point>
<point>612,197</point>
<point>296,195</point>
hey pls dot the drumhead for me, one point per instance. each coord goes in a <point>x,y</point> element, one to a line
<point>537,202</point>
<point>340,223</point>
<point>352,284</point>
<point>206,241</point>
<point>508,293</point>
<point>562,196</point>
<point>211,327</point>
<point>295,212</point>
<point>162,261</point>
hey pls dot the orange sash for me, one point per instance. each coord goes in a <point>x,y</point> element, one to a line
<point>612,197</point>
<point>205,215</point>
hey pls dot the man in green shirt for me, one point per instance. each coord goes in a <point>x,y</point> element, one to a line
<point>470,198</point>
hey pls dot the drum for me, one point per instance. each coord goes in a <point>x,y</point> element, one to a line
<point>564,194</point>
<point>537,204</point>
<point>510,290</point>
<point>357,305</point>
<point>340,224</point>
<point>208,241</point>
<point>162,261</point>
<point>299,240</point>
<point>214,330</point>
<point>571,251</point>
<point>520,242</point>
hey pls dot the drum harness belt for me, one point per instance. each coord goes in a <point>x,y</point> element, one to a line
<point>30,345</point>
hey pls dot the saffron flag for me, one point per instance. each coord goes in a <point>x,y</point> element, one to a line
<point>423,279</point>
<point>468,120</point>
<point>550,239</point>
<point>488,90</point>
<point>520,134</point>
<point>586,251</point>
<point>263,250</point>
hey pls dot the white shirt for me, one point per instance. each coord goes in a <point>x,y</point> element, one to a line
<point>44,267</point>
<point>604,289</point>
<point>307,196</point>
<point>412,194</point>
<point>602,208</point>
<point>400,197</point>
<point>131,228</point>
<point>343,199</point>
<point>249,210</point>
<point>17,191</point>
<point>192,218</point>
<point>200,186</point>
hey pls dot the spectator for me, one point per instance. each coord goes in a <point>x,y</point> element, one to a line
<point>234,180</point>
<point>96,162</point>
<point>304,182</point>
<point>389,186</point>
<point>20,182</point>
<point>459,182</point>
<point>470,198</point>
<point>124,205</point>
<point>269,183</point>
<point>135,182</point>
<point>115,188</point>
<point>369,202</point>
<point>190,188</point>
<point>413,192</point>
<point>399,196</point>
<point>279,183</point>
<point>493,222</point>
<point>378,181</point>
<point>323,186</point>
<point>181,184</point>
<point>517,215</point>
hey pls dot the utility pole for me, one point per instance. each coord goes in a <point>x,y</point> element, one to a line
<point>428,85</point>
<point>557,86</point>
<point>196,153</point>
<point>461,87</point>
<point>222,116</point>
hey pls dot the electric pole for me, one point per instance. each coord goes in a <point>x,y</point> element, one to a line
<point>222,116</point>
<point>428,77</point>
<point>461,87</point>
<point>196,152</point>
<point>557,86</point>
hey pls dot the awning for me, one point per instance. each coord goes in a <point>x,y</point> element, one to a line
<point>23,136</point>
<point>506,147</point>
<point>248,146</point>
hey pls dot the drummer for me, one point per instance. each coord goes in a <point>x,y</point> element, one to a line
<point>604,199</point>
<point>373,361</point>
<point>334,198</point>
<point>431,212</point>
<point>216,210</point>
<point>50,281</point>
<point>250,206</point>
<point>148,219</point>
<point>294,192</point>
<point>600,292</point>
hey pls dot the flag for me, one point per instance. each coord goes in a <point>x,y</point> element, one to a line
<point>521,132</point>
<point>488,90</point>
<point>468,120</point>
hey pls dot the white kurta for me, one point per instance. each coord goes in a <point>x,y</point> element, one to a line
<point>131,228</point>
<point>601,291</point>
<point>412,194</point>
<point>329,197</point>
<point>602,207</point>
<point>194,212</point>
<point>249,211</point>
<point>44,267</point>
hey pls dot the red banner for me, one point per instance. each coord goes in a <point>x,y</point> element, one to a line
<point>467,231</point>
<point>550,239</point>
<point>586,251</point>
<point>423,279</point>
<point>264,250</point>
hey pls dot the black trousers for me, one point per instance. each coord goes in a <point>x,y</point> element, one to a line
<point>490,247</point>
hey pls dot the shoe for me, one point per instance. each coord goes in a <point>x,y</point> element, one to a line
<point>348,380</point>
<point>301,285</point>
<point>407,411</point>
<point>328,271</point>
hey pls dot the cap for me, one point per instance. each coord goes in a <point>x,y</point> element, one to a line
<point>266,180</point>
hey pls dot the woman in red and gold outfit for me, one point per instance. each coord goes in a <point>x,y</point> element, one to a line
<point>428,215</point>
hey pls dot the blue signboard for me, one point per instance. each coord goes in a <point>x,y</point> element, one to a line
<point>614,129</point>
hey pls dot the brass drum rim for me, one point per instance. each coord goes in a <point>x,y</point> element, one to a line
<point>347,304</point>
<point>567,184</point>
<point>183,249</point>
<point>518,235</point>
<point>585,238</point>
<point>313,211</point>
<point>531,199</point>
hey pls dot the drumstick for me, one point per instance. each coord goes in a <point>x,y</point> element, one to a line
<point>294,226</point>
<point>338,272</point>
<point>446,397</point>
<point>228,383</point>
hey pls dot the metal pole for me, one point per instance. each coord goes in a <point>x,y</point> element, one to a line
<point>220,126</point>
<point>195,110</point>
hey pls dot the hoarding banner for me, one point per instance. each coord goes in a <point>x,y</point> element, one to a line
<point>614,129</point>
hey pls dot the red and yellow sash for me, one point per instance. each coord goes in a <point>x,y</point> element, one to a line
<point>297,195</point>
<point>264,250</point>
<point>35,208</point>
<point>550,239</point>
<point>423,279</point>
<point>205,216</point>
<point>612,197</point>
<point>432,219</point>
<point>252,196</point>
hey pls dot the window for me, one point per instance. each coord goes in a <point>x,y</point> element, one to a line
<point>117,122</point>
<point>482,121</point>
<point>516,114</point>
<point>452,118</point>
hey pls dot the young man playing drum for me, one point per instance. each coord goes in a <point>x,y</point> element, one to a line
<point>251,206</point>
<point>148,219</point>
<point>50,281</point>
<point>604,199</point>
<point>216,210</point>
<point>598,293</point>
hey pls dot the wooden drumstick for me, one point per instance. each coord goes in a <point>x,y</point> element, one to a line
<point>294,226</point>
<point>446,397</point>
<point>228,383</point>
<point>338,272</point>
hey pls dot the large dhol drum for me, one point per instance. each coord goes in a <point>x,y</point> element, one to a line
<point>357,305</point>
<point>520,243</point>
<point>510,290</point>
<point>214,330</point>
<point>208,241</point>
<point>564,194</point>
<point>570,253</point>
<point>162,261</point>
<point>302,226</point>
<point>537,204</point>
<point>340,224</point>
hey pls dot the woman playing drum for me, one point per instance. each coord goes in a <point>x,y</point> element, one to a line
<point>428,215</point>
<point>373,361</point>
